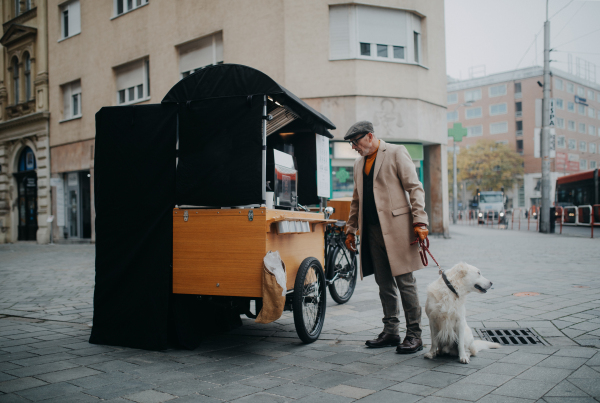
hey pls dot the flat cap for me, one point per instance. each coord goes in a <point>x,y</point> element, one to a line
<point>358,128</point>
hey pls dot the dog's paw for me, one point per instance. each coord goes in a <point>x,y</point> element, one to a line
<point>465,360</point>
<point>429,355</point>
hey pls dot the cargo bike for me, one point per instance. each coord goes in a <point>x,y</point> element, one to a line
<point>243,188</point>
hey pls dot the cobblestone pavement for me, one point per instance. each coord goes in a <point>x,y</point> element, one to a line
<point>45,305</point>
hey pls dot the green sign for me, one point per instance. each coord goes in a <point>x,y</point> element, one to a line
<point>457,132</point>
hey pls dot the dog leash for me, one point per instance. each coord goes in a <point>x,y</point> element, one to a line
<point>423,250</point>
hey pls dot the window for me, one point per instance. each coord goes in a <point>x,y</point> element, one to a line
<point>452,98</point>
<point>200,53</point>
<point>27,77</point>
<point>473,95</point>
<point>581,109</point>
<point>133,82</point>
<point>559,103</point>
<point>572,144</point>
<point>558,83</point>
<point>365,49</point>
<point>518,109</point>
<point>71,100</point>
<point>520,146</point>
<point>592,148</point>
<point>582,165</point>
<point>580,92</point>
<point>417,46</point>
<point>560,142</point>
<point>583,146</point>
<point>70,19</point>
<point>519,128</point>
<point>560,122</point>
<point>571,126</point>
<point>592,130</point>
<point>474,131</point>
<point>499,127</point>
<point>452,116</point>
<point>590,96</point>
<point>517,88</point>
<point>16,82</point>
<point>570,88</point>
<point>598,113</point>
<point>498,109</point>
<point>592,164</point>
<point>497,90</point>
<point>125,6</point>
<point>377,33</point>
<point>598,96</point>
<point>582,128</point>
<point>473,113</point>
<point>591,112</point>
<point>570,106</point>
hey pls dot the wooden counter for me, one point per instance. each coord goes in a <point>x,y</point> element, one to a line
<point>220,251</point>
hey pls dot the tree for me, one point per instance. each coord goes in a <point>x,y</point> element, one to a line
<point>488,165</point>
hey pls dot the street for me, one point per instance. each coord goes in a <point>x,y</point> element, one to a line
<point>46,309</point>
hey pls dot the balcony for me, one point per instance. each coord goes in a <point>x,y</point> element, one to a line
<point>519,133</point>
<point>518,114</point>
<point>24,108</point>
<point>518,95</point>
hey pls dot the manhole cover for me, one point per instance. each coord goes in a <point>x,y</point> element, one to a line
<point>581,286</point>
<point>526,294</point>
<point>511,337</point>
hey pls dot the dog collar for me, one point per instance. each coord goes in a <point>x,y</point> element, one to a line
<point>450,286</point>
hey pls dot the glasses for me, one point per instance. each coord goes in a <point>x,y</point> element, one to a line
<point>355,141</point>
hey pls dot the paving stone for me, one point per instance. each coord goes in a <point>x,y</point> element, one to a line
<point>78,397</point>
<point>41,369</point>
<point>503,399</point>
<point>523,358</point>
<point>398,372</point>
<point>569,400</point>
<point>260,397</point>
<point>20,384</point>
<point>293,390</point>
<point>5,377</point>
<point>117,389</point>
<point>115,365</point>
<point>435,379</point>
<point>546,374</point>
<point>349,391</point>
<point>67,375</point>
<point>150,396</point>
<point>505,369</point>
<point>413,389</point>
<point>186,387</point>
<point>566,389</point>
<point>368,382</point>
<point>322,397</point>
<point>12,398</point>
<point>563,362</point>
<point>389,396</point>
<point>95,381</point>
<point>588,385</point>
<point>465,391</point>
<point>295,373</point>
<point>48,391</point>
<point>231,391</point>
<point>524,388</point>
<point>327,380</point>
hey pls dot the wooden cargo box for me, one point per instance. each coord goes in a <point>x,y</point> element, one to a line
<point>221,251</point>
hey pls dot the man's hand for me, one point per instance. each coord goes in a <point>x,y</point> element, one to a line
<point>351,242</point>
<point>421,231</point>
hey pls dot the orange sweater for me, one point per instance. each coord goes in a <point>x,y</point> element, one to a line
<point>371,160</point>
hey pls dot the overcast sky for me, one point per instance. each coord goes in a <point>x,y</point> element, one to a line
<point>500,34</point>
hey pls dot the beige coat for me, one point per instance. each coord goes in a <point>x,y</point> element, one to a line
<point>394,175</point>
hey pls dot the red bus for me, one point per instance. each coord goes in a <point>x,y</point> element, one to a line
<point>580,189</point>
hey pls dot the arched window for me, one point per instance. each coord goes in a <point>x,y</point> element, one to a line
<point>27,77</point>
<point>15,66</point>
<point>27,160</point>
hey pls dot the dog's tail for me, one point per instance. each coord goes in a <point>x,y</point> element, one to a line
<point>482,345</point>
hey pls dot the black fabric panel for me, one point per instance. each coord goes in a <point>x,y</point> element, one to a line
<point>220,152</point>
<point>134,188</point>
<point>232,80</point>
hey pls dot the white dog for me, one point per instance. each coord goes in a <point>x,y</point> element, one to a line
<point>445,308</point>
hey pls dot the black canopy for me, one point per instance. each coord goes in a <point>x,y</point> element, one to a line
<point>234,80</point>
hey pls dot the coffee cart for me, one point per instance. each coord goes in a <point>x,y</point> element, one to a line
<point>216,177</point>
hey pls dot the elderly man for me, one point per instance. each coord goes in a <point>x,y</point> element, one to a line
<point>388,223</point>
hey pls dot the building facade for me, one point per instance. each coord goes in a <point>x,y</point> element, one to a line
<point>383,62</point>
<point>507,108</point>
<point>24,122</point>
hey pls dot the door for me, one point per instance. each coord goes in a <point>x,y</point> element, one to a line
<point>27,203</point>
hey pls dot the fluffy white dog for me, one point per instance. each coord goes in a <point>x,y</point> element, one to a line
<point>445,308</point>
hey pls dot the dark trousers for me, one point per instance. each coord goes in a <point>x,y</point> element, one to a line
<point>389,287</point>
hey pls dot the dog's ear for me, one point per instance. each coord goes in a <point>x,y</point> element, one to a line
<point>460,270</point>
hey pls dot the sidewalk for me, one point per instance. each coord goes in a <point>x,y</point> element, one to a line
<point>46,293</point>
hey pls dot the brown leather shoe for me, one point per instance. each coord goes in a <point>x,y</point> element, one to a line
<point>410,345</point>
<point>384,340</point>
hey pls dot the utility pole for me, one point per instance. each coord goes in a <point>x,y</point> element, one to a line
<point>545,133</point>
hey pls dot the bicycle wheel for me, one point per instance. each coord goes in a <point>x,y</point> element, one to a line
<point>343,275</point>
<point>309,300</point>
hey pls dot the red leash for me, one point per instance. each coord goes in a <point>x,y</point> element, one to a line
<point>423,249</point>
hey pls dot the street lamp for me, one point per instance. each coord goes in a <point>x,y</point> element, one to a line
<point>457,133</point>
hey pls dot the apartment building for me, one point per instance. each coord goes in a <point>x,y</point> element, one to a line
<point>383,62</point>
<point>507,107</point>
<point>24,122</point>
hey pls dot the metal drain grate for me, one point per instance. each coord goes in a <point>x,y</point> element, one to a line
<point>512,337</point>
